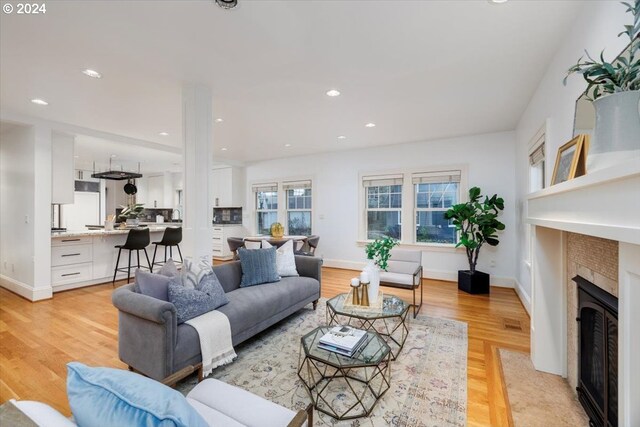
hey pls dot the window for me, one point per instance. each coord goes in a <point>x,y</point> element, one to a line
<point>435,193</point>
<point>266,206</point>
<point>298,207</point>
<point>383,206</point>
<point>537,168</point>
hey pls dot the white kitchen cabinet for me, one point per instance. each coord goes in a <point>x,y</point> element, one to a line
<point>62,173</point>
<point>220,235</point>
<point>155,192</point>
<point>228,187</point>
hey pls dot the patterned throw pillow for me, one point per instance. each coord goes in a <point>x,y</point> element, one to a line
<point>169,269</point>
<point>191,303</point>
<point>258,266</point>
<point>285,258</point>
<point>194,270</point>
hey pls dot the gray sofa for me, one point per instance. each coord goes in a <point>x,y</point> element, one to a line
<point>151,342</point>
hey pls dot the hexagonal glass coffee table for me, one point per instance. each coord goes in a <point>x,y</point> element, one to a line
<point>390,320</point>
<point>340,386</point>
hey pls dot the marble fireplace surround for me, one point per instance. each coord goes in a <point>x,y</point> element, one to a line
<point>602,209</point>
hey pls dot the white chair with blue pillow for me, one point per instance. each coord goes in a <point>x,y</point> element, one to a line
<point>101,397</point>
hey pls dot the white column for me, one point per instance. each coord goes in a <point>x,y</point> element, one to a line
<point>197,117</point>
<point>42,214</point>
<point>548,302</point>
<point>628,335</point>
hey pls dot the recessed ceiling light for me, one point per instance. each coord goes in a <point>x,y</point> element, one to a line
<point>39,101</point>
<point>92,73</point>
<point>342,137</point>
<point>287,145</point>
<point>224,148</point>
<point>113,156</point>
<point>497,1</point>
<point>163,134</point>
<point>218,120</point>
<point>370,125</point>
<point>333,92</point>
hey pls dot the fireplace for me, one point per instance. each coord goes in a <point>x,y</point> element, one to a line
<point>597,353</point>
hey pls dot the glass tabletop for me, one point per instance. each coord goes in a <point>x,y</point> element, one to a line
<point>391,306</point>
<point>374,351</point>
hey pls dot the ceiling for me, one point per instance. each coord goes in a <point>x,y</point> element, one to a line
<point>419,70</point>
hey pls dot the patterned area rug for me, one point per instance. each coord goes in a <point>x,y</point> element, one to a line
<point>428,379</point>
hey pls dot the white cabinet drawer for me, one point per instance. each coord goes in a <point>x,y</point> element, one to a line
<point>71,273</point>
<point>71,254</point>
<point>66,241</point>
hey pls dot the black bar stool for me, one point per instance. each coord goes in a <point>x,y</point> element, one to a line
<point>172,237</point>
<point>138,238</point>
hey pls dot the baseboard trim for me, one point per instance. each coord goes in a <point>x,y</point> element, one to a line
<point>448,276</point>
<point>525,299</point>
<point>24,290</point>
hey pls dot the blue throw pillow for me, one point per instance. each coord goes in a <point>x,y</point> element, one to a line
<point>191,303</point>
<point>113,397</point>
<point>258,266</point>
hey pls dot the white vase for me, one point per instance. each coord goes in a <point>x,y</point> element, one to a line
<point>616,137</point>
<point>374,280</point>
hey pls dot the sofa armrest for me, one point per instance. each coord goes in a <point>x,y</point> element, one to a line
<point>147,332</point>
<point>309,266</point>
<point>143,306</point>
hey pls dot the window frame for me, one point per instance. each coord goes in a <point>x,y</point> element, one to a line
<point>408,203</point>
<point>282,210</point>
<point>379,209</point>
<point>257,189</point>
<point>417,209</point>
<point>293,185</point>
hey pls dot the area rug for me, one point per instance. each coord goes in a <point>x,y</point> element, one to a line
<point>428,379</point>
<point>538,398</point>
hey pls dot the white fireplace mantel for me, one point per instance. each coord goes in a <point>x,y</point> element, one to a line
<point>605,203</point>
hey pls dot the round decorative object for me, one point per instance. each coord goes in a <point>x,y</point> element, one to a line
<point>227,4</point>
<point>277,230</point>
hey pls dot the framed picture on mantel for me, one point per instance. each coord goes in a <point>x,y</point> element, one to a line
<point>571,160</point>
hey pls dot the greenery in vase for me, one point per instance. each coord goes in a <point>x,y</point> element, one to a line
<point>133,211</point>
<point>380,251</point>
<point>477,222</point>
<point>620,76</point>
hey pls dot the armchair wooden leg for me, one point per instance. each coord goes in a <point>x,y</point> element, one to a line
<point>200,372</point>
<point>315,304</point>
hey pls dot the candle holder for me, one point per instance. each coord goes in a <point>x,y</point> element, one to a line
<point>355,294</point>
<point>364,300</point>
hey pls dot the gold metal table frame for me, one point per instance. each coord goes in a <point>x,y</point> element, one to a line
<point>391,325</point>
<point>356,383</point>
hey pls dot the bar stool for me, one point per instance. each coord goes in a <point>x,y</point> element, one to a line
<point>138,238</point>
<point>172,237</point>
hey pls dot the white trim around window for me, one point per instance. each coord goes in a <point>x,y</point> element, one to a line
<point>282,187</point>
<point>408,178</point>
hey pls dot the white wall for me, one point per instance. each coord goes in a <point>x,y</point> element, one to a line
<point>490,161</point>
<point>16,201</point>
<point>596,28</point>
<point>25,211</point>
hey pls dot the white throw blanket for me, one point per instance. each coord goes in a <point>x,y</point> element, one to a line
<point>216,347</point>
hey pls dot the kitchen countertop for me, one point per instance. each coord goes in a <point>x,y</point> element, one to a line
<point>89,233</point>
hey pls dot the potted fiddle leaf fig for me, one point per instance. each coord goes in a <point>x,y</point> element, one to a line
<point>477,222</point>
<point>614,89</point>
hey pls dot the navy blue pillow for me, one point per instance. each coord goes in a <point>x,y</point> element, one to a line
<point>258,266</point>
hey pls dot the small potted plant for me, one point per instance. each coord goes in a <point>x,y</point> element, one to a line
<point>132,213</point>
<point>378,253</point>
<point>477,222</point>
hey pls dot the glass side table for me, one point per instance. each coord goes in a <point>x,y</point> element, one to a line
<point>390,321</point>
<point>345,387</point>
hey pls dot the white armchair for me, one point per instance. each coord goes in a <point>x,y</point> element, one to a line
<point>404,271</point>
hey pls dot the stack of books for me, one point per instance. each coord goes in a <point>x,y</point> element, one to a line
<point>343,340</point>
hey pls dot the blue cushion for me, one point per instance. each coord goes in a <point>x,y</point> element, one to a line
<point>169,269</point>
<point>153,285</point>
<point>191,303</point>
<point>258,266</point>
<point>104,397</point>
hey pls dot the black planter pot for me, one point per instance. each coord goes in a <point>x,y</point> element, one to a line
<point>476,283</point>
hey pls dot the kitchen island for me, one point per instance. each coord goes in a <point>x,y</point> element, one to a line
<point>88,257</point>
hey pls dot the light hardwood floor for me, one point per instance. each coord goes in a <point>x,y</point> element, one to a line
<point>38,339</point>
